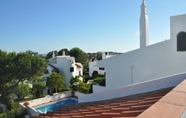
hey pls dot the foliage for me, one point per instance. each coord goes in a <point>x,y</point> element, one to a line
<point>49,54</point>
<point>18,67</point>
<point>78,85</point>
<point>55,80</point>
<point>99,75</point>
<point>79,55</point>
<point>97,80</point>
<point>15,111</point>
<point>84,87</point>
<point>60,52</point>
<point>64,89</point>
<point>32,53</point>
<point>73,83</point>
<point>38,85</point>
<point>22,90</point>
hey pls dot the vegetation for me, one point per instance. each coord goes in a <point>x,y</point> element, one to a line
<point>74,81</point>
<point>55,81</point>
<point>78,85</point>
<point>38,85</point>
<point>79,55</point>
<point>22,90</point>
<point>98,80</point>
<point>15,112</point>
<point>60,52</point>
<point>18,67</point>
<point>49,54</point>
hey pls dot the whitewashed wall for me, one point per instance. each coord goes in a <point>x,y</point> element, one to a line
<point>64,64</point>
<point>32,112</point>
<point>78,94</point>
<point>93,67</point>
<point>97,88</point>
<point>142,87</point>
<point>48,99</point>
<point>154,61</point>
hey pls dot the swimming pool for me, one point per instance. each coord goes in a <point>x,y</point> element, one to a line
<point>57,105</point>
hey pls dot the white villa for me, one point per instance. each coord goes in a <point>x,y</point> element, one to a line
<point>94,69</point>
<point>143,83</point>
<point>66,65</point>
<point>149,61</point>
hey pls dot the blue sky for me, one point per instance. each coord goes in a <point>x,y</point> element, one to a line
<point>92,25</point>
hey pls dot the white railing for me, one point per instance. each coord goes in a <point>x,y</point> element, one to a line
<point>142,87</point>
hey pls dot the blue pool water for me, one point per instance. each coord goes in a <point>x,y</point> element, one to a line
<point>56,105</point>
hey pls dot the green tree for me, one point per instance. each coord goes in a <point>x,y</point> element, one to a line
<point>61,51</point>
<point>32,53</point>
<point>49,54</point>
<point>22,90</point>
<point>99,55</point>
<point>18,67</point>
<point>55,81</point>
<point>79,55</point>
<point>39,84</point>
<point>74,81</point>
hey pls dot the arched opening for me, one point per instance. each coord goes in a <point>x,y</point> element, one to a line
<point>94,74</point>
<point>181,41</point>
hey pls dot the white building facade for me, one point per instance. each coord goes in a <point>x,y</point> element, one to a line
<point>147,63</point>
<point>93,68</point>
<point>67,67</point>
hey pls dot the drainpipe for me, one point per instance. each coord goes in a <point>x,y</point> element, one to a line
<point>132,73</point>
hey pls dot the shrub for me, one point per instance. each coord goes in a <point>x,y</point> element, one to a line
<point>99,75</point>
<point>84,88</point>
<point>98,80</point>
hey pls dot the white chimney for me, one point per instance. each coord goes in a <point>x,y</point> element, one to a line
<point>103,55</point>
<point>53,55</point>
<point>63,53</point>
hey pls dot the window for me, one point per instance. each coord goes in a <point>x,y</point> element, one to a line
<point>71,69</point>
<point>46,71</point>
<point>181,41</point>
<point>101,68</point>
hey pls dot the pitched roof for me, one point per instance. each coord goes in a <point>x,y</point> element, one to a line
<point>78,65</point>
<point>169,102</point>
<point>130,106</point>
<point>172,105</point>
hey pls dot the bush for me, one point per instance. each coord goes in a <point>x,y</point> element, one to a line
<point>84,88</point>
<point>99,75</point>
<point>3,115</point>
<point>15,112</point>
<point>98,80</point>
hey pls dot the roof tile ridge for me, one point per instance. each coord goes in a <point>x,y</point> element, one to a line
<point>171,103</point>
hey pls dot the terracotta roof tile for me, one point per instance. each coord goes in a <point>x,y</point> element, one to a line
<point>130,106</point>
<point>172,105</point>
<point>78,66</point>
<point>164,103</point>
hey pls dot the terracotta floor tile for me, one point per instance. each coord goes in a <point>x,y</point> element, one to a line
<point>181,88</point>
<point>174,97</point>
<point>162,110</point>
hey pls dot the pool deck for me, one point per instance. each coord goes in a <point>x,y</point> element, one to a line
<point>46,103</point>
